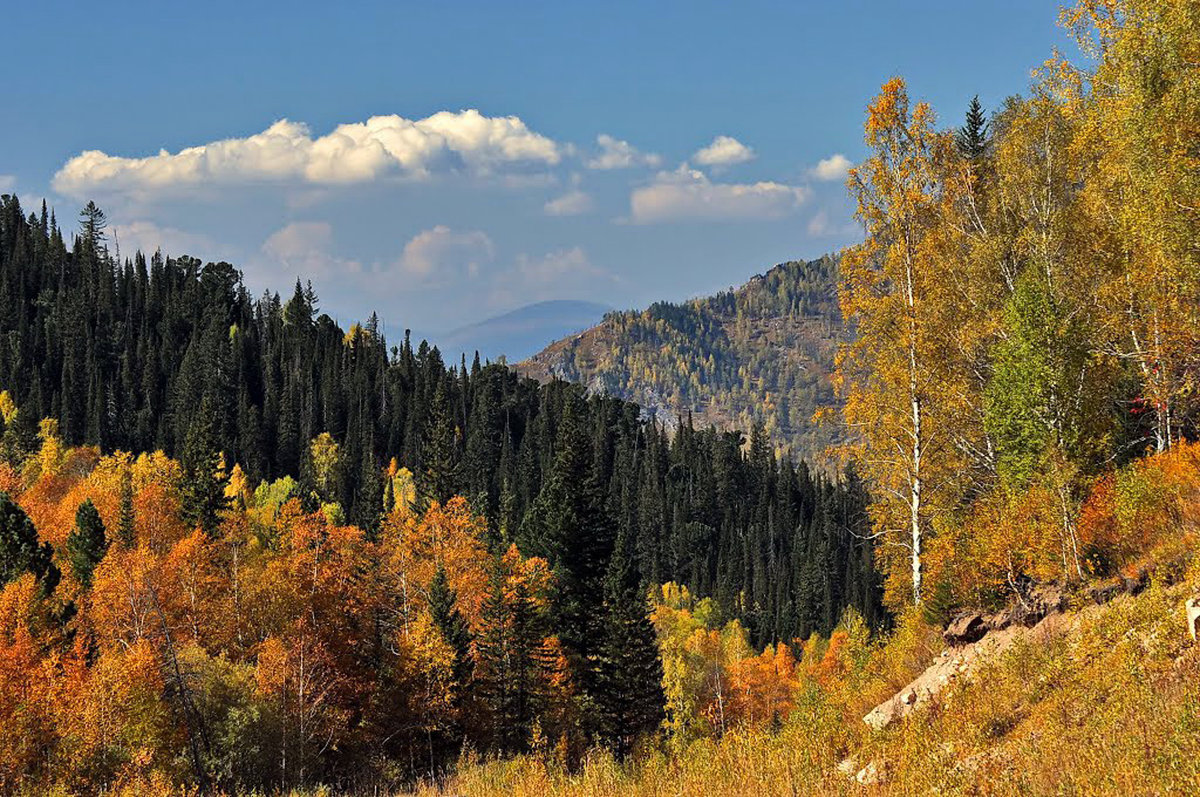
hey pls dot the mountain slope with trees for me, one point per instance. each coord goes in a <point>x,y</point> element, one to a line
<point>760,354</point>
<point>370,559</point>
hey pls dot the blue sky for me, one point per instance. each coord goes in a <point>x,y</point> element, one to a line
<point>618,152</point>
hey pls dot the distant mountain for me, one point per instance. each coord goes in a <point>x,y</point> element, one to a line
<point>521,332</point>
<point>759,353</point>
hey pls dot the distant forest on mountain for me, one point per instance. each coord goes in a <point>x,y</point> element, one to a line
<point>759,354</point>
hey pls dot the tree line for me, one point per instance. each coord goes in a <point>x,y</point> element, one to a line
<point>160,391</point>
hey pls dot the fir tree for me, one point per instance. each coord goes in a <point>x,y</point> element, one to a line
<point>630,693</point>
<point>443,608</point>
<point>510,666</point>
<point>440,473</point>
<point>204,474</point>
<point>20,550</point>
<point>126,524</point>
<point>86,544</point>
<point>972,138</point>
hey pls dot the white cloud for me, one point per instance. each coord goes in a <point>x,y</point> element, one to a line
<point>553,275</point>
<point>446,142</point>
<point>553,266</point>
<point>618,154</point>
<point>304,249</point>
<point>687,194</point>
<point>572,203</point>
<point>819,225</point>
<point>147,237</point>
<point>723,151</point>
<point>440,254</point>
<point>835,167</point>
<point>7,183</point>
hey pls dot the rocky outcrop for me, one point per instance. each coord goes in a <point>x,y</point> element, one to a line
<point>962,659</point>
<point>965,629</point>
<point>1028,608</point>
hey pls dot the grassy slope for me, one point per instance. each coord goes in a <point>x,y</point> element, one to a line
<point>1111,705</point>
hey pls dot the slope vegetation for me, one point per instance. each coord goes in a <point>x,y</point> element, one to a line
<point>759,354</point>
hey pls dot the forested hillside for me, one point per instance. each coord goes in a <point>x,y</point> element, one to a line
<point>205,488</point>
<point>242,548</point>
<point>762,353</point>
<point>1022,390</point>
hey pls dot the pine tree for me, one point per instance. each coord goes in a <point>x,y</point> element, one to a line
<point>20,551</point>
<point>509,661</point>
<point>443,608</point>
<point>569,524</point>
<point>972,138</point>
<point>630,673</point>
<point>126,528</point>
<point>204,474</point>
<point>87,543</point>
<point>438,451</point>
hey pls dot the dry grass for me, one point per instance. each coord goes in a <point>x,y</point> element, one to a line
<point>1111,705</point>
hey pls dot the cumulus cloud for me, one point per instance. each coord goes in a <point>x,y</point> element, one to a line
<point>7,183</point>
<point>835,167</point>
<point>572,203</point>
<point>446,142</point>
<point>723,151</point>
<point>304,249</point>
<point>147,237</point>
<point>549,276</point>
<point>440,254</point>
<point>618,154</point>
<point>687,194</point>
<point>553,266</point>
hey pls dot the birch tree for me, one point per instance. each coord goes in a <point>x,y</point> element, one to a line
<point>891,294</point>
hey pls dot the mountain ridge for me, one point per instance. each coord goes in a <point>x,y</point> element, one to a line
<point>761,353</point>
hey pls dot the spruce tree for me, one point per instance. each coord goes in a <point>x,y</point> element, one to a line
<point>204,474</point>
<point>569,524</point>
<point>972,138</point>
<point>439,479</point>
<point>510,664</point>
<point>630,693</point>
<point>126,525</point>
<point>20,550</point>
<point>443,608</point>
<point>87,543</point>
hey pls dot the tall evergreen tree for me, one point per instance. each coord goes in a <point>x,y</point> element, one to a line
<point>87,543</point>
<point>20,549</point>
<point>972,138</point>
<point>630,673</point>
<point>126,528</point>
<point>510,663</point>
<point>204,473</point>
<point>443,608</point>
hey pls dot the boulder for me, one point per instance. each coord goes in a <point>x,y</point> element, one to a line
<point>871,775</point>
<point>965,629</point>
<point>1193,616</point>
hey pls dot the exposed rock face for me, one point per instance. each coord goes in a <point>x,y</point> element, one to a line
<point>1028,609</point>
<point>965,628</point>
<point>956,663</point>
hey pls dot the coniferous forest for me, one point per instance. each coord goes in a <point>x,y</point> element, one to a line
<point>547,517</point>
